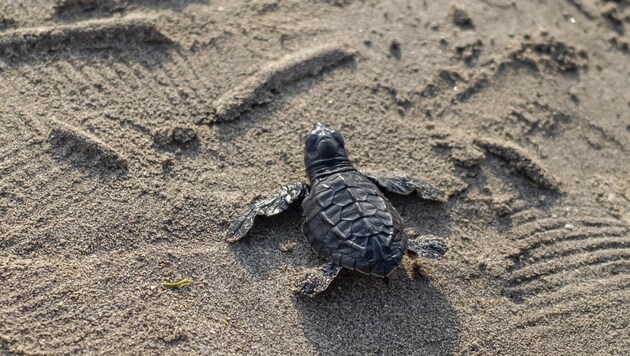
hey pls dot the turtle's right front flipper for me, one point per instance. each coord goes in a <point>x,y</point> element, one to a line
<point>404,185</point>
<point>271,205</point>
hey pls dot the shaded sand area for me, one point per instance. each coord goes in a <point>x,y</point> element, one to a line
<point>134,131</point>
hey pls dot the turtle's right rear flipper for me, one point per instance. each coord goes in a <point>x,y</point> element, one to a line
<point>271,205</point>
<point>318,279</point>
<point>428,246</point>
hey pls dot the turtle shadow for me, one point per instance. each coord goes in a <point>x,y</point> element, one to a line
<point>360,315</point>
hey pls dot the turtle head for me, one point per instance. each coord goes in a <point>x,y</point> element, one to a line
<point>324,146</point>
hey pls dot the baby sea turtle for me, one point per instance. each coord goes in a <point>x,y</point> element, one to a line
<point>346,218</point>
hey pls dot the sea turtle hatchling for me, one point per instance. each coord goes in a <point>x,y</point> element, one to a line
<point>346,218</point>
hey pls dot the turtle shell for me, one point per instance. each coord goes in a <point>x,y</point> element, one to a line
<point>347,220</point>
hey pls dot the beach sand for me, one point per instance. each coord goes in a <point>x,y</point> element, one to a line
<point>133,132</point>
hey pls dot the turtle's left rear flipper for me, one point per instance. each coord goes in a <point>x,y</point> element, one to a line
<point>271,205</point>
<point>318,279</point>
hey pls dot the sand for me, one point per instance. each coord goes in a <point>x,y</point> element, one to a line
<point>133,132</point>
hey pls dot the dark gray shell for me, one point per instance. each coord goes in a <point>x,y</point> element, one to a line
<point>348,221</point>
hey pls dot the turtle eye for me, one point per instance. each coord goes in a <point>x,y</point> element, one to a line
<point>311,140</point>
<point>337,138</point>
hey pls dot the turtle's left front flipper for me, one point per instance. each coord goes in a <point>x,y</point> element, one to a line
<point>405,185</point>
<point>271,205</point>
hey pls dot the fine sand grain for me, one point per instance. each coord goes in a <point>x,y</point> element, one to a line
<point>133,131</point>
